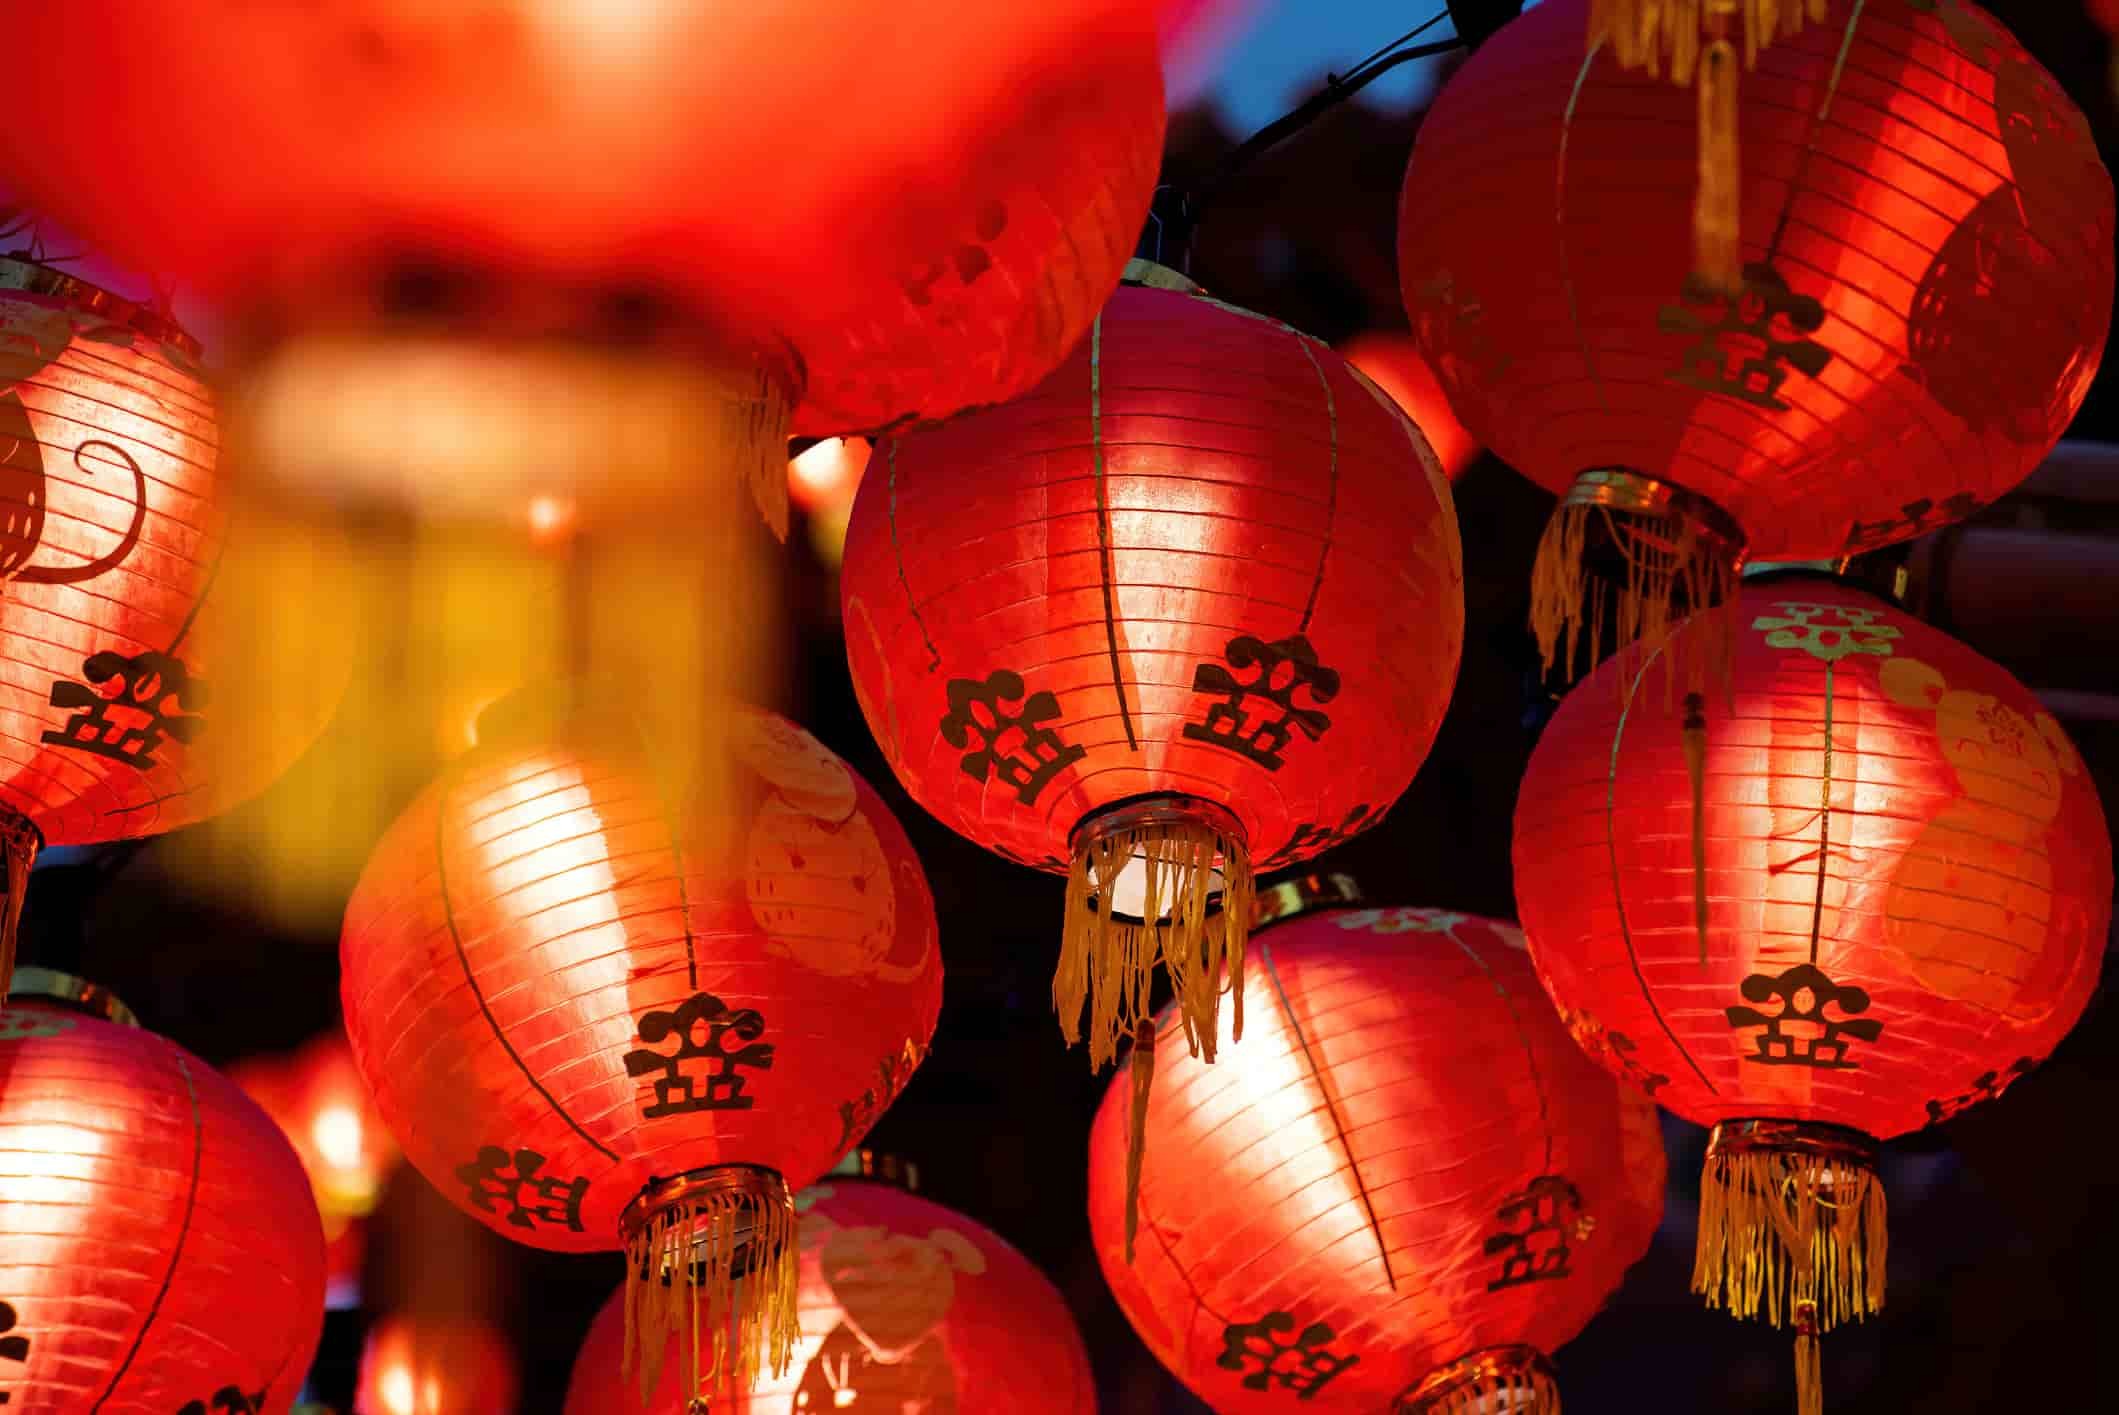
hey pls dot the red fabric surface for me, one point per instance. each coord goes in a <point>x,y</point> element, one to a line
<point>905,1305</point>
<point>423,1366</point>
<point>1946,230</point>
<point>1395,1062</point>
<point>925,201</point>
<point>1393,362</point>
<point>159,1249</point>
<point>1955,872</point>
<point>113,520</point>
<point>1202,528</point>
<point>536,916</point>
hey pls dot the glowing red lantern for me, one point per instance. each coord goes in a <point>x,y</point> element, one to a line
<point>904,1305</point>
<point>1194,605</point>
<point>602,1006</point>
<point>115,705</point>
<point>1894,904</point>
<point>424,1366</point>
<point>1405,1188</point>
<point>158,1246</point>
<point>1926,284</point>
<point>826,211</point>
<point>1393,363</point>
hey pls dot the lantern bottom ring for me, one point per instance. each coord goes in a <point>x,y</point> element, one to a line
<point>1150,815</point>
<point>1814,1138</point>
<point>1637,494</point>
<point>1497,1380</point>
<point>733,1184</point>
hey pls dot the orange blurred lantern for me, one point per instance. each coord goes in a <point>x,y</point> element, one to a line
<point>119,716</point>
<point>826,474</point>
<point>1403,1191</point>
<point>425,1366</point>
<point>1884,899</point>
<point>578,248</point>
<point>1925,235</point>
<point>603,1006</point>
<point>158,1246</point>
<point>1194,605</point>
<point>904,1305</point>
<point>1393,363</point>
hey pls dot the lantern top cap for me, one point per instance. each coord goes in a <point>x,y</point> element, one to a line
<point>1158,277</point>
<point>1304,894</point>
<point>879,1167</point>
<point>46,985</point>
<point>34,279</point>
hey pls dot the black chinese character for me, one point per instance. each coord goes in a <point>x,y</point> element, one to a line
<point>12,1348</point>
<point>1015,747</point>
<point>1800,1034</point>
<point>135,703</point>
<point>893,1071</point>
<point>1310,839</point>
<point>1746,344</point>
<point>498,1176</point>
<point>1985,1087</point>
<point>1539,1221</point>
<point>1913,520</point>
<point>230,1400</point>
<point>1271,1352</point>
<point>702,1027</point>
<point>1278,671</point>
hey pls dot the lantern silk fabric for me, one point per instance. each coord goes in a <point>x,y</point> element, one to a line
<point>905,1305</point>
<point>1908,875</point>
<point>159,1250</point>
<point>1405,1165</point>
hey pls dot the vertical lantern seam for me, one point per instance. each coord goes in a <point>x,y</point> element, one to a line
<point>1265,951</point>
<point>1530,1053</point>
<point>1198,1298</point>
<point>213,574</point>
<point>1824,109</point>
<point>176,1253</point>
<point>897,550</point>
<point>448,911</point>
<point>669,821</point>
<point>1618,891</point>
<point>1331,495</point>
<point>1824,824</point>
<point>1106,570</point>
<point>1567,279</point>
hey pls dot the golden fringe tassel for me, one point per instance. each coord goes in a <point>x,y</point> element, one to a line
<point>1667,562</point>
<point>1645,33</point>
<point>19,843</point>
<point>1696,769</point>
<point>1780,1230</point>
<point>1109,963</point>
<point>684,1266</point>
<point>1809,1375</point>
<point>1718,205</point>
<point>1137,1134</point>
<point>754,440</point>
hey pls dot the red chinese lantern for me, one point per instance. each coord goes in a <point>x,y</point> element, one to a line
<point>158,1246</point>
<point>1192,606</point>
<point>904,1305</point>
<point>673,228</point>
<point>1885,898</point>
<point>604,1006</point>
<point>117,712</point>
<point>1401,1193</point>
<point>1925,235</point>
<point>1393,363</point>
<point>425,1366</point>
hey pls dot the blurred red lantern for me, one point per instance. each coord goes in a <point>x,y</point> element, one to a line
<point>604,1006</point>
<point>1404,1190</point>
<point>1927,256</point>
<point>1393,363</point>
<point>1194,605</point>
<point>904,1305</point>
<point>158,1246</point>
<point>419,1365</point>
<point>826,211</point>
<point>1903,888</point>
<point>116,708</point>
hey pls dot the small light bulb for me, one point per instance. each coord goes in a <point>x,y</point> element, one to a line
<point>397,1390</point>
<point>337,1134</point>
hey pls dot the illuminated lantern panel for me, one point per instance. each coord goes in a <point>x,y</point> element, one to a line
<point>417,1365</point>
<point>1885,899</point>
<point>904,1305</point>
<point>1393,363</point>
<point>1922,236</point>
<point>159,1250</point>
<point>1401,1193</point>
<point>604,1004</point>
<point>1191,608</point>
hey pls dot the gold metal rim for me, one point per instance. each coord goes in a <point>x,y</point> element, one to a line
<point>1484,1365</point>
<point>48,985</point>
<point>661,1195</point>
<point>34,279</point>
<point>1303,895</point>
<point>1157,810</point>
<point>1839,1143</point>
<point>1637,493</point>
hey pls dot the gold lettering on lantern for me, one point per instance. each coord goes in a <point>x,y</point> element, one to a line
<point>1745,345</point>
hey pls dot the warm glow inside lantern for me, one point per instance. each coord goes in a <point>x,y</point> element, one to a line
<point>904,1305</point>
<point>1393,363</point>
<point>159,1249</point>
<point>423,1365</point>
<point>1882,897</point>
<point>1193,606</point>
<point>1924,236</point>
<point>603,1003</point>
<point>1403,1191</point>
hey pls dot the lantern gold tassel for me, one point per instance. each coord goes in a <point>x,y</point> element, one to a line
<point>1137,1132</point>
<point>19,843</point>
<point>1695,732</point>
<point>1717,208</point>
<point>711,1262</point>
<point>1809,1375</point>
<point>1108,961</point>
